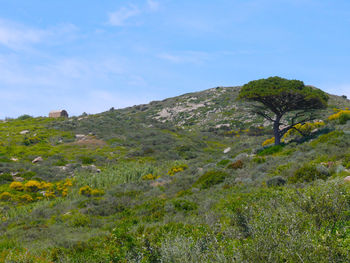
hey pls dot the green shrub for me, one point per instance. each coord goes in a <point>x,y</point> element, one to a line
<point>223,163</point>
<point>276,181</point>
<point>24,117</point>
<point>184,205</point>
<point>5,178</point>
<point>307,173</point>
<point>211,178</point>
<point>270,150</point>
<point>86,160</point>
<point>344,118</point>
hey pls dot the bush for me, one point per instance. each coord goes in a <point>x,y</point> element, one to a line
<point>85,190</point>
<point>223,162</point>
<point>270,150</point>
<point>86,160</point>
<point>32,186</point>
<point>184,205</point>
<point>5,178</point>
<point>18,186</point>
<point>236,165</point>
<point>307,173</point>
<point>5,196</point>
<point>211,178</point>
<point>276,181</point>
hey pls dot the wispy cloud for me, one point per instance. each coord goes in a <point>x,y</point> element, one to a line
<point>119,17</point>
<point>17,36</point>
<point>125,13</point>
<point>193,57</point>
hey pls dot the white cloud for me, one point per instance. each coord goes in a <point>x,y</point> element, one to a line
<point>119,17</point>
<point>17,36</point>
<point>14,35</point>
<point>193,57</point>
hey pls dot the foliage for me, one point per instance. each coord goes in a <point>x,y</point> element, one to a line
<point>280,96</point>
<point>210,178</point>
<point>307,173</point>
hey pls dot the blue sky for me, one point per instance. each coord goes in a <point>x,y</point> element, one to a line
<point>89,56</point>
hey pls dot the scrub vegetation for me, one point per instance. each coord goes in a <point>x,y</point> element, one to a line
<point>195,178</point>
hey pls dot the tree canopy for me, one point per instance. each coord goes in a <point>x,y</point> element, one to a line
<point>281,96</point>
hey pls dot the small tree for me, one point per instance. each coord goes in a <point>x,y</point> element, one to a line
<point>290,101</point>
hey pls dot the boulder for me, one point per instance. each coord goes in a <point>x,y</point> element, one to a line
<point>24,132</point>
<point>38,160</point>
<point>227,150</point>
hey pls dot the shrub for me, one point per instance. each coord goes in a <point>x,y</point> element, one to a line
<point>96,192</point>
<point>24,117</point>
<point>32,186</point>
<point>223,162</point>
<point>148,177</point>
<point>25,198</point>
<point>184,205</point>
<point>211,178</point>
<point>85,190</point>
<point>5,196</point>
<point>342,116</point>
<point>276,181</point>
<point>18,186</point>
<point>270,150</point>
<point>5,178</point>
<point>307,173</point>
<point>86,160</point>
<point>177,169</point>
<point>236,165</point>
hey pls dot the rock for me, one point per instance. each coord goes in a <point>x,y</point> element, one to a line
<point>339,169</point>
<point>347,179</point>
<point>18,179</point>
<point>91,168</point>
<point>38,160</point>
<point>80,136</point>
<point>276,181</point>
<point>227,150</point>
<point>24,132</point>
<point>323,170</point>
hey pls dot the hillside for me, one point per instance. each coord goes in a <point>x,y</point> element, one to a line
<point>185,179</point>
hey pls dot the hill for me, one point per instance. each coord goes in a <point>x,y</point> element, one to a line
<point>185,179</point>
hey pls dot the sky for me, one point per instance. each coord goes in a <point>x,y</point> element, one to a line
<point>89,56</point>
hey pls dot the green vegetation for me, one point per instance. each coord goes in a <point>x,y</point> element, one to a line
<point>134,185</point>
<point>279,96</point>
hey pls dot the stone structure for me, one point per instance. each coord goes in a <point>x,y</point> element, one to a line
<point>58,114</point>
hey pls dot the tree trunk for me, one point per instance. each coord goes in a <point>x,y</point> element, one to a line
<point>276,130</point>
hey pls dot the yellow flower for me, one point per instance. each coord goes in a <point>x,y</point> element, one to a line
<point>32,186</point>
<point>18,186</point>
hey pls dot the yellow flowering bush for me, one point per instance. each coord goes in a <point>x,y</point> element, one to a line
<point>149,177</point>
<point>177,169</point>
<point>18,186</point>
<point>5,196</point>
<point>46,186</point>
<point>85,190</point>
<point>26,198</point>
<point>268,141</point>
<point>88,191</point>
<point>32,186</point>
<point>304,129</point>
<point>341,115</point>
<point>96,192</point>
